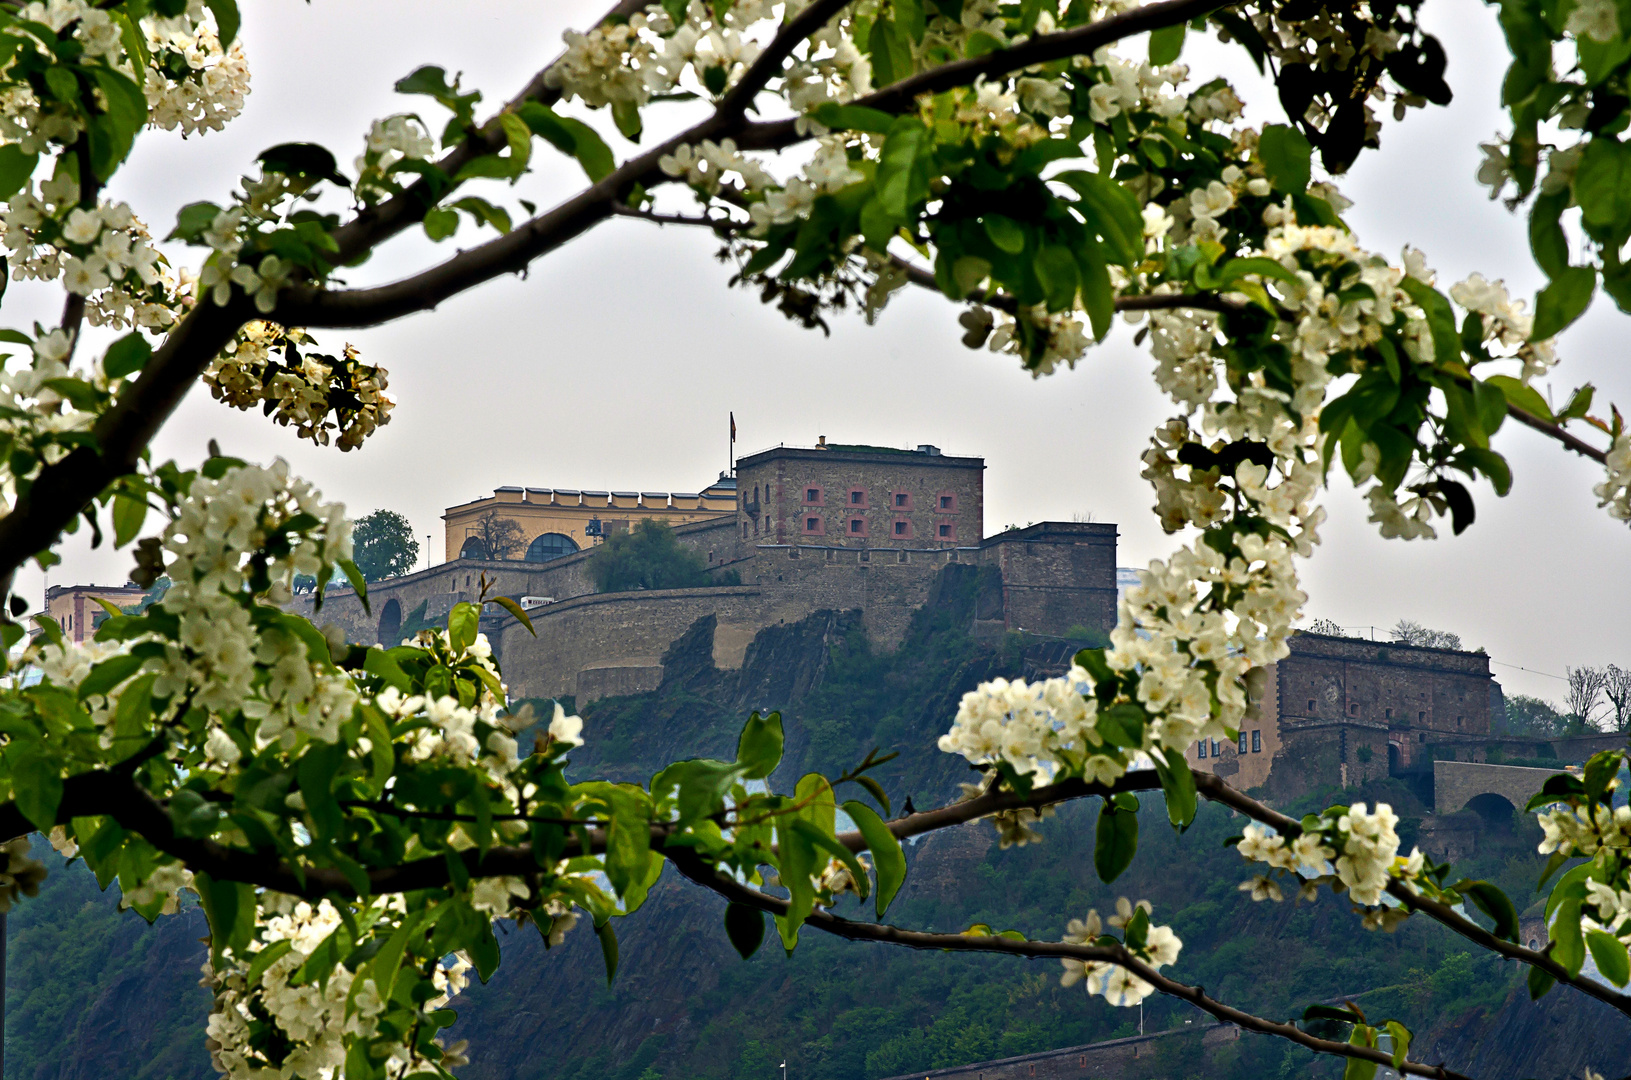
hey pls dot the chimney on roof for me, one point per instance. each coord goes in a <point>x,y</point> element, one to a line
<point>821,442</point>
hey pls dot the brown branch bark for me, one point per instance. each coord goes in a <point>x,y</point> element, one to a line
<point>1217,791</point>
<point>732,890</point>
<point>1555,431</point>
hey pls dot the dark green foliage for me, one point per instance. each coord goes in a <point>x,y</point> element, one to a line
<point>649,557</point>
<point>384,546</point>
<point>1530,716</point>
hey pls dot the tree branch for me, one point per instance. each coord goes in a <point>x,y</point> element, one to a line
<point>1217,791</point>
<point>734,105</point>
<point>1041,49</point>
<point>1555,431</point>
<point>717,224</point>
<point>735,891</point>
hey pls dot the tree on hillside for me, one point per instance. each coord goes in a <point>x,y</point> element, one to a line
<point>1414,633</point>
<point>1530,717</point>
<point>1617,688</point>
<point>496,537</point>
<point>1584,701</point>
<point>647,557</point>
<point>353,821</point>
<point>383,546</point>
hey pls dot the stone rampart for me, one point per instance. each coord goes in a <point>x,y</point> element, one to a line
<point>1131,1058</point>
<point>613,643</point>
<point>1056,576</point>
<point>1456,783</point>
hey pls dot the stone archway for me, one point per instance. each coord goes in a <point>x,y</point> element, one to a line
<point>1497,810</point>
<point>390,624</point>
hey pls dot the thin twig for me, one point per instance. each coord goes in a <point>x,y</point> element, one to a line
<point>717,224</point>
<point>725,885</point>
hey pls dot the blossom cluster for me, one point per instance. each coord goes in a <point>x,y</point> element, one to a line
<point>1040,728</point>
<point>103,253</point>
<point>320,396</point>
<point>1353,847</point>
<point>1156,946</point>
<point>193,84</point>
<point>622,64</point>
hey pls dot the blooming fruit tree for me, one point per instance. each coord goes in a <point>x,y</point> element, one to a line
<point>353,818</point>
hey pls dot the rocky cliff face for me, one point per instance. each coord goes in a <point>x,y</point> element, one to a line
<point>1556,1038</point>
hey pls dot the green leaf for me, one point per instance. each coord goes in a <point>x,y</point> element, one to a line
<point>265,959</point>
<point>825,841</point>
<point>592,152</point>
<point>745,926</point>
<point>1122,725</point>
<point>1563,301</point>
<point>1056,272</point>
<point>114,131</point>
<point>1115,842</point>
<point>1610,956</point>
<point>1115,214</point>
<point>440,223</point>
<point>759,749</point>
<point>888,860</point>
<point>1286,156</point>
<point>1546,239</point>
<point>1005,232</point>
<point>484,212</point>
<point>192,221</point>
<point>1540,981</point>
<point>1524,397</point>
<point>109,674</point>
<point>1440,318</point>
<point>227,21</point>
<point>302,160</point>
<point>230,908</point>
<point>127,355</point>
<point>1602,184</point>
<point>15,169</point>
<point>1399,1036</point>
<point>1178,783</point>
<point>36,783</point>
<point>911,18</point>
<point>1235,269</point>
<point>1569,947</point>
<point>358,582</point>
<point>515,609</point>
<point>518,135</point>
<point>1494,903</point>
<point>853,118</point>
<point>1166,44</point>
<point>462,622</point>
<point>898,181</point>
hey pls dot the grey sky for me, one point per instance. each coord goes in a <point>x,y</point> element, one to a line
<point>614,363</point>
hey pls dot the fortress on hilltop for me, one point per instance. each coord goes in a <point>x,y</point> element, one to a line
<point>879,532</point>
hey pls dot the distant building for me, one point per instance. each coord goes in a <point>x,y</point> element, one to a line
<point>1339,711</point>
<point>75,609</point>
<point>556,522</point>
<point>860,496</point>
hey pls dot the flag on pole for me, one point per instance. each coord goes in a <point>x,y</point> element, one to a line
<point>733,427</point>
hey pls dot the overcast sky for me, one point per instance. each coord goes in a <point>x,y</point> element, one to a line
<point>614,364</point>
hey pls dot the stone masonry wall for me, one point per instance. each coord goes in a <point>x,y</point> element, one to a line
<point>774,502</point>
<point>613,643</point>
<point>1055,576</point>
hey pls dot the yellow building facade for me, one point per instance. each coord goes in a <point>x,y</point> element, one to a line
<point>553,522</point>
<point>75,607</point>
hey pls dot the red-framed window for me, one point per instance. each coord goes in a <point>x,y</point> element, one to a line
<point>857,499</point>
<point>814,495</point>
<point>900,500</point>
<point>812,525</point>
<point>945,530</point>
<point>856,526</point>
<point>901,529</point>
<point>946,502</point>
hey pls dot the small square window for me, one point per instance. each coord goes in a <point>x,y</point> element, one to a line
<point>1257,742</point>
<point>812,524</point>
<point>1242,748</point>
<point>1214,748</point>
<point>1424,736</point>
<point>1200,749</point>
<point>857,498</point>
<point>945,502</point>
<point>856,526</point>
<point>1310,704</point>
<point>900,498</point>
<point>1421,716</point>
<point>945,532</point>
<point>900,528</point>
<point>812,495</point>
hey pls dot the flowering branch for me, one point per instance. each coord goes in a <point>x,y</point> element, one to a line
<point>1217,791</point>
<point>736,892</point>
